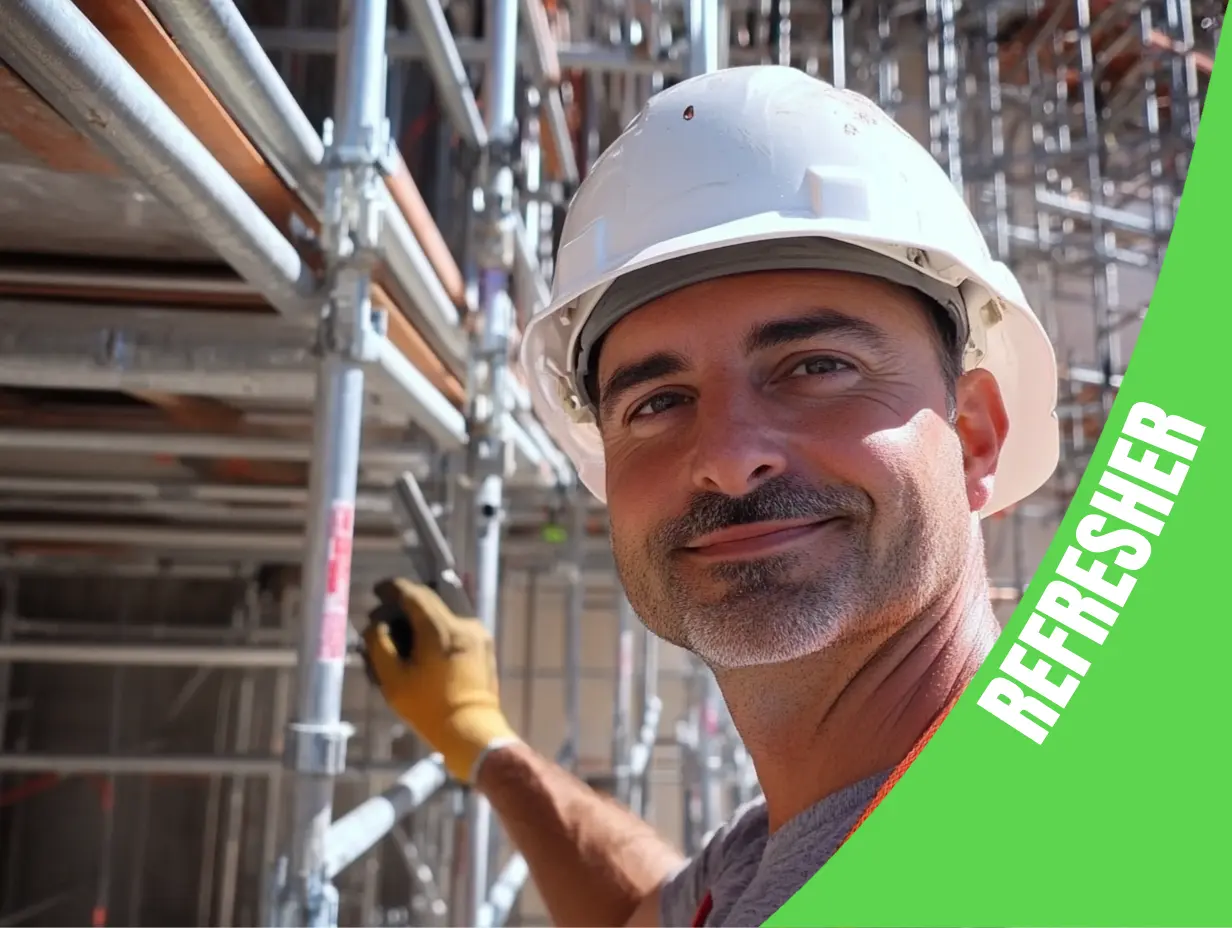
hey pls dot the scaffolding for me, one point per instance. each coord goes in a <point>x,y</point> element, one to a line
<point>263,268</point>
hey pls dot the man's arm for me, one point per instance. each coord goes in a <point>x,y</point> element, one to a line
<point>593,861</point>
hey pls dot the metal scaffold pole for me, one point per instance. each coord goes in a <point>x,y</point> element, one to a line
<point>575,604</point>
<point>622,709</point>
<point>496,229</point>
<point>648,731</point>
<point>357,147</point>
<point>703,36</point>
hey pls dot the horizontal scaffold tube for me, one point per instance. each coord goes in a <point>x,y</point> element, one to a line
<point>59,52</point>
<point>353,835</point>
<point>219,44</point>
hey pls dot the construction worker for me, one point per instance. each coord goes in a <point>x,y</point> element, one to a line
<point>779,350</point>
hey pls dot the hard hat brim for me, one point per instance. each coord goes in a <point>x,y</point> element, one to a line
<point>1017,350</point>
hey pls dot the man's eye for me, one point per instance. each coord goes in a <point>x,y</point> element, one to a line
<point>660,402</point>
<point>816,366</point>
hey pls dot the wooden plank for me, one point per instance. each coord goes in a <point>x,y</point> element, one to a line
<point>1204,63</point>
<point>410,201</point>
<point>39,129</point>
<point>200,414</point>
<point>416,350</point>
<point>140,38</point>
<point>169,297</point>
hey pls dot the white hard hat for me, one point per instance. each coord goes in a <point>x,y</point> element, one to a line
<point>778,169</point>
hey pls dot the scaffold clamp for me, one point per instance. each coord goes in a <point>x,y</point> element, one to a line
<point>318,750</point>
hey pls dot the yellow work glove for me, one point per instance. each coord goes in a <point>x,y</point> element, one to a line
<point>446,689</point>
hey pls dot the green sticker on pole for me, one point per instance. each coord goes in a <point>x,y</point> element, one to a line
<point>1082,779</point>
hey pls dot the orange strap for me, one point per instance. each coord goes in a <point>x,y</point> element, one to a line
<point>703,911</point>
<point>897,773</point>
<point>707,903</point>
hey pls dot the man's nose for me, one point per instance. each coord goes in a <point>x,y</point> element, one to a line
<point>736,450</point>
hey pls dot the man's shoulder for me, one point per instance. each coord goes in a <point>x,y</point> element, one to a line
<point>751,816</point>
<point>745,831</point>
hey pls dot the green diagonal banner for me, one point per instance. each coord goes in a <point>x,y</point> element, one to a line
<point>1085,777</point>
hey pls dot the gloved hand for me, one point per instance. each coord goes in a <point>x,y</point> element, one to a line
<point>446,690</point>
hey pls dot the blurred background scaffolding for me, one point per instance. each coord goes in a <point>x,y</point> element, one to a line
<point>165,228</point>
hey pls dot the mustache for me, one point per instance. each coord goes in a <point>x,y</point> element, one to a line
<point>780,499</point>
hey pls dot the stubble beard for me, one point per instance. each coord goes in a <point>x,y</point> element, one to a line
<point>774,609</point>
<point>771,611</point>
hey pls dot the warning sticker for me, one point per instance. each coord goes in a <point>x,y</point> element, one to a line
<point>337,583</point>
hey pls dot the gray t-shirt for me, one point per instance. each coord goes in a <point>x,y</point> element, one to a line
<point>751,874</point>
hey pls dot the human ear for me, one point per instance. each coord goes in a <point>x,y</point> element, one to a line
<point>982,424</point>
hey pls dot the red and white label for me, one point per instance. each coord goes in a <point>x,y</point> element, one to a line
<point>337,583</point>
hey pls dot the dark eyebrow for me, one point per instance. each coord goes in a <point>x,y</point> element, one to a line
<point>764,336</point>
<point>821,322</point>
<point>631,376</point>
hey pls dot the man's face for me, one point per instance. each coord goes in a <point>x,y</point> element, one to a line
<point>781,469</point>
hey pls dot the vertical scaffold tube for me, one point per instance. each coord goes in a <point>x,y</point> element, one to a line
<point>496,229</point>
<point>356,147</point>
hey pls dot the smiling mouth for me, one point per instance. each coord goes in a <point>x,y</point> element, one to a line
<point>754,540</point>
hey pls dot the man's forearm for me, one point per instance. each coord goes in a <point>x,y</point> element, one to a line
<point>592,860</point>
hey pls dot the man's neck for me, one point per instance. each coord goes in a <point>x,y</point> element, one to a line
<point>832,719</point>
